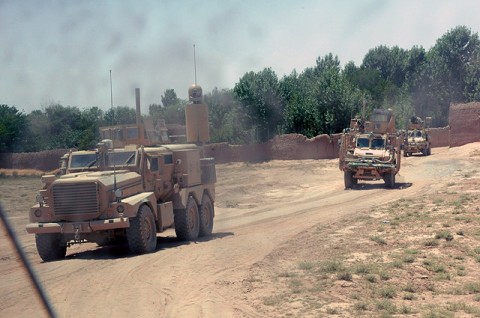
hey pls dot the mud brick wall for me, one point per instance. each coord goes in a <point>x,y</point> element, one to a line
<point>440,137</point>
<point>464,127</point>
<point>464,122</point>
<point>43,160</point>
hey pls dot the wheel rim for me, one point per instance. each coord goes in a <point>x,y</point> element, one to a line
<point>192,218</point>
<point>147,229</point>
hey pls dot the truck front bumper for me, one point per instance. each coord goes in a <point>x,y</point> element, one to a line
<point>368,170</point>
<point>78,227</point>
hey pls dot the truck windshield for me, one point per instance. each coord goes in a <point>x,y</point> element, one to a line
<point>121,158</point>
<point>378,143</point>
<point>83,160</point>
<point>363,142</point>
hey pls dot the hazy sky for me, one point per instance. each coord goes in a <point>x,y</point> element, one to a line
<point>63,51</point>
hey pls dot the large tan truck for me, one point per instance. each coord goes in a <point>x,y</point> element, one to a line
<point>370,150</point>
<point>417,137</point>
<point>110,194</point>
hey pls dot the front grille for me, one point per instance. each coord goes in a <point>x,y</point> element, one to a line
<point>79,198</point>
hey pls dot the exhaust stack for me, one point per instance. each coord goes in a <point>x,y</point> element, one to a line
<point>137,111</point>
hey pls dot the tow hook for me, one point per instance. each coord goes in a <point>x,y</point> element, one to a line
<point>77,233</point>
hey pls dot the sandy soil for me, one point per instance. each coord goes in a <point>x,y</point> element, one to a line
<point>288,241</point>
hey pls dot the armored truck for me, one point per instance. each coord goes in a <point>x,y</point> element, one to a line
<point>370,150</point>
<point>417,137</point>
<point>126,194</point>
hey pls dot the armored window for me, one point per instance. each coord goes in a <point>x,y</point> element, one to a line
<point>168,159</point>
<point>378,143</point>
<point>363,142</point>
<point>83,160</point>
<point>126,158</point>
<point>132,133</point>
<point>118,134</point>
<point>154,164</point>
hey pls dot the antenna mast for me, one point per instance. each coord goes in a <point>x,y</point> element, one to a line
<point>111,95</point>
<point>195,64</point>
<point>113,135</point>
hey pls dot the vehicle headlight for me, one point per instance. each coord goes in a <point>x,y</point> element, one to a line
<point>38,213</point>
<point>39,199</point>
<point>120,208</point>
<point>118,193</point>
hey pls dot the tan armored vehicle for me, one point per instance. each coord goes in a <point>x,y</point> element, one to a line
<point>417,138</point>
<point>108,195</point>
<point>370,150</point>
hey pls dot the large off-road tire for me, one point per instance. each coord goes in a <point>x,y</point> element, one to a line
<point>348,179</point>
<point>405,154</point>
<point>429,152</point>
<point>187,221</point>
<point>142,233</point>
<point>206,214</point>
<point>389,179</point>
<point>50,246</point>
<point>425,151</point>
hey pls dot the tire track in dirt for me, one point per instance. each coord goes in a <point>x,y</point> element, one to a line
<point>207,278</point>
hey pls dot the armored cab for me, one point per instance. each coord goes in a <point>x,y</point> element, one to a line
<point>128,188</point>
<point>370,150</point>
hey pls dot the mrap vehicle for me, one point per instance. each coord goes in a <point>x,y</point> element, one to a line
<point>129,194</point>
<point>370,150</point>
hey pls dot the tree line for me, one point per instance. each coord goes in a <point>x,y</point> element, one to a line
<point>320,100</point>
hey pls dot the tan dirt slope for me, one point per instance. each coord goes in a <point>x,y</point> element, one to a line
<point>288,241</point>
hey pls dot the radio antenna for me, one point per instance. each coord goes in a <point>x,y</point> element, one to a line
<point>111,95</point>
<point>195,64</point>
<point>113,135</point>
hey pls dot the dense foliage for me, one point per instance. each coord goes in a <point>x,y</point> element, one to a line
<point>319,100</point>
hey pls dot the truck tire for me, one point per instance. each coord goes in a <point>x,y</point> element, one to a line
<point>405,154</point>
<point>187,221</point>
<point>50,246</point>
<point>206,213</point>
<point>429,152</point>
<point>425,151</point>
<point>389,179</point>
<point>348,179</point>
<point>142,233</point>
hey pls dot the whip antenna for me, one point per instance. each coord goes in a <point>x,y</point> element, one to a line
<point>195,64</point>
<point>111,95</point>
<point>113,135</point>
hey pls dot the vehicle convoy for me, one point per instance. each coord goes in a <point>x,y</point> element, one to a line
<point>370,150</point>
<point>417,137</point>
<point>128,194</point>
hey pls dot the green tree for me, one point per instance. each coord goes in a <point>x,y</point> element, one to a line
<point>90,120</point>
<point>170,98</point>
<point>447,75</point>
<point>38,133</point>
<point>260,96</point>
<point>227,121</point>
<point>335,99</point>
<point>391,63</point>
<point>120,115</point>
<point>13,125</point>
<point>472,77</point>
<point>300,115</point>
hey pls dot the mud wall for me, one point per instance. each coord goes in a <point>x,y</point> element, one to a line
<point>43,160</point>
<point>282,147</point>
<point>464,122</point>
<point>440,137</point>
<point>464,127</point>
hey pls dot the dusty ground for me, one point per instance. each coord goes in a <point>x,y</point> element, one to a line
<point>288,241</point>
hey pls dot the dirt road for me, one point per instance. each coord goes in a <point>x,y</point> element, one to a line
<point>259,207</point>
